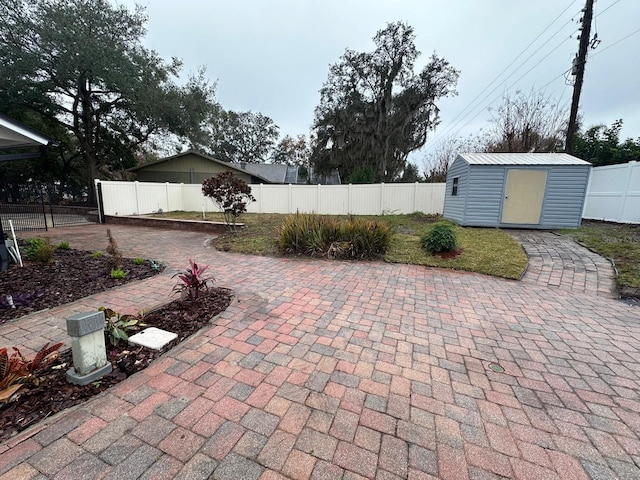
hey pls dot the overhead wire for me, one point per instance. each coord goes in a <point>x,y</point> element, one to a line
<point>452,126</point>
<point>514,83</point>
<point>615,43</point>
<point>563,74</point>
<point>515,59</point>
<point>617,1</point>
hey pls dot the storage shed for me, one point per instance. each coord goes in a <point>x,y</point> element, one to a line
<point>516,190</point>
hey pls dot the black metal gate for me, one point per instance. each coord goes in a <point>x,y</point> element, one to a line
<point>31,209</point>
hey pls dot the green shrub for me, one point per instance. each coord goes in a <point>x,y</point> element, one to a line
<point>96,254</point>
<point>63,245</point>
<point>118,273</point>
<point>138,260</point>
<point>39,249</point>
<point>440,238</point>
<point>310,234</point>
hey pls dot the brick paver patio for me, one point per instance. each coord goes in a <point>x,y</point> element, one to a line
<point>330,370</point>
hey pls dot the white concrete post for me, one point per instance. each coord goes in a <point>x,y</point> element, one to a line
<point>87,346</point>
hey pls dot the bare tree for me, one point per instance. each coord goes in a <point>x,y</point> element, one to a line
<point>527,123</point>
<point>436,163</point>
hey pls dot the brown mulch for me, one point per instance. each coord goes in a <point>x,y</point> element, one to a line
<point>69,276</point>
<point>52,393</point>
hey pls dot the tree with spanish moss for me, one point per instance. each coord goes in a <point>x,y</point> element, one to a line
<point>375,110</point>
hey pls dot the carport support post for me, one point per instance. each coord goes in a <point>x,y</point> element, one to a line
<point>87,346</point>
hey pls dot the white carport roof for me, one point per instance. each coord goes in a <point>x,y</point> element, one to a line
<point>15,135</point>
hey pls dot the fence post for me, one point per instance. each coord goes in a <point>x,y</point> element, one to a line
<point>350,206</point>
<point>625,192</point>
<point>381,199</point>
<point>44,213</point>
<point>166,191</point>
<point>53,220</point>
<point>289,200</point>
<point>135,187</point>
<point>260,200</point>
<point>415,197</point>
<point>318,199</point>
<point>101,217</point>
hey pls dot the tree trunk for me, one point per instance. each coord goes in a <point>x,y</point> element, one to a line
<point>92,174</point>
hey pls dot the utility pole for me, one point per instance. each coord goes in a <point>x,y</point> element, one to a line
<point>578,70</point>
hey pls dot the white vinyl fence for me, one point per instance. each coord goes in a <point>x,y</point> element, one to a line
<point>614,193</point>
<point>140,198</point>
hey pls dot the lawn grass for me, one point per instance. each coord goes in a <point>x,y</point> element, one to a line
<point>618,241</point>
<point>484,250</point>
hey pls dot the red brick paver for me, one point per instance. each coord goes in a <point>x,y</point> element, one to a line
<point>352,370</point>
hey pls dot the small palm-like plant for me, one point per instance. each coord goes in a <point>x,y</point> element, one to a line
<point>192,281</point>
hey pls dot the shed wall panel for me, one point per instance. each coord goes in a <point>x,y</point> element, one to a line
<point>454,206</point>
<point>484,195</point>
<point>564,199</point>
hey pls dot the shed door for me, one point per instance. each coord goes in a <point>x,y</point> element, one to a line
<point>523,196</point>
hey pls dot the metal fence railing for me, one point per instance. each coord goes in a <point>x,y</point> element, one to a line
<point>63,215</point>
<point>24,217</point>
<point>42,216</point>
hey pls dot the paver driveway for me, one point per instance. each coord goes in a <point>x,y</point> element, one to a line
<point>348,370</point>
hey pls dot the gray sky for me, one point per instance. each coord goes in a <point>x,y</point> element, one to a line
<point>272,56</point>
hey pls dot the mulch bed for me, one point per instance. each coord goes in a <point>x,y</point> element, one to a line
<point>52,393</point>
<point>69,276</point>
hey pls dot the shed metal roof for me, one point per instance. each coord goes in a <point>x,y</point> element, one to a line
<point>521,159</point>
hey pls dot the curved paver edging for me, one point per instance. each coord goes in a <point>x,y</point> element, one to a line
<point>557,261</point>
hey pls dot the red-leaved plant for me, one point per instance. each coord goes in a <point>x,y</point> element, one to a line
<point>192,281</point>
<point>230,193</point>
<point>15,370</point>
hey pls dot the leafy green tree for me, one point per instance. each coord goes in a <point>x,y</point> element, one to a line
<point>59,169</point>
<point>410,174</point>
<point>292,151</point>
<point>243,137</point>
<point>374,109</point>
<point>600,145</point>
<point>362,174</point>
<point>82,65</point>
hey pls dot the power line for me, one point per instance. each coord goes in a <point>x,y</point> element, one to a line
<point>514,83</point>
<point>615,43</point>
<point>555,78</point>
<point>594,54</point>
<point>453,125</point>
<point>516,58</point>
<point>617,1</point>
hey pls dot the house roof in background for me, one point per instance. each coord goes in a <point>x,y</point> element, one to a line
<point>274,172</point>
<point>14,134</point>
<point>521,159</point>
<point>231,166</point>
